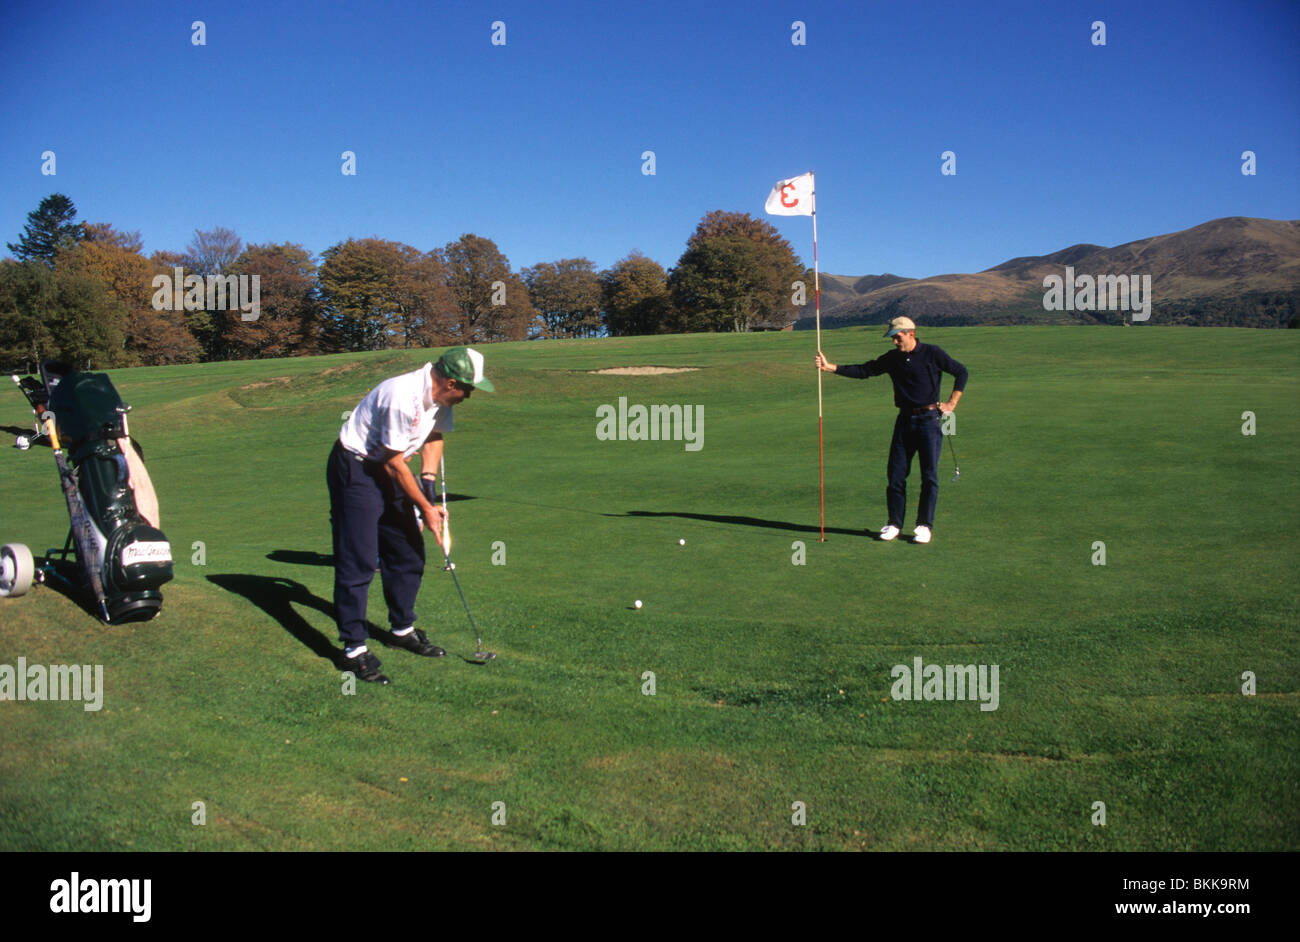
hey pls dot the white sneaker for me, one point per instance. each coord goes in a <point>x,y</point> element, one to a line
<point>922,535</point>
<point>889,533</point>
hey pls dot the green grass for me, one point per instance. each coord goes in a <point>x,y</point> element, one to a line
<point>1119,683</point>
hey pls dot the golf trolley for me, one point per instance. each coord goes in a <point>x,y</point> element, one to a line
<point>114,535</point>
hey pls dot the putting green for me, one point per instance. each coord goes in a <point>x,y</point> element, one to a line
<point>752,703</point>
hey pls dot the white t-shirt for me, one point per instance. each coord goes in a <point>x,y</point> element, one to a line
<point>398,414</point>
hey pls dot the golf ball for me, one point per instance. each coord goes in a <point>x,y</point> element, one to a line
<point>681,542</point>
<point>637,603</point>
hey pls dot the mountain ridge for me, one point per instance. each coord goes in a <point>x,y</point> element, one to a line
<point>1231,271</point>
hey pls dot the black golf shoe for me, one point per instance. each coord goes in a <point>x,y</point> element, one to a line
<point>417,642</point>
<point>366,666</point>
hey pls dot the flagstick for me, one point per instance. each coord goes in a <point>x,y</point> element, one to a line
<point>817,294</point>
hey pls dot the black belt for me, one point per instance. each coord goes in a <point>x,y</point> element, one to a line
<point>921,410</point>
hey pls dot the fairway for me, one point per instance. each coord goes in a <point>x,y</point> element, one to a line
<point>747,705</point>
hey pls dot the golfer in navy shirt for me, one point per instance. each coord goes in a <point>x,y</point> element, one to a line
<point>916,370</point>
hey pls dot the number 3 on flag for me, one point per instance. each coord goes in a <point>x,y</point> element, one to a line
<point>793,197</point>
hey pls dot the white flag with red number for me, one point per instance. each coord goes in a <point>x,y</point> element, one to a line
<point>793,197</point>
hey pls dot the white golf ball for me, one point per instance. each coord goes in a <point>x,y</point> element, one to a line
<point>22,443</point>
<point>637,603</point>
<point>681,542</point>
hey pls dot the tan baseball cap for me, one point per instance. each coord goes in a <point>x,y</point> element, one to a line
<point>898,325</point>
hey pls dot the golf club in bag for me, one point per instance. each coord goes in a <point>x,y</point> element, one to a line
<point>112,507</point>
<point>480,656</point>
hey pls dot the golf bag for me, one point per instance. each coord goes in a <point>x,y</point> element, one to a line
<point>111,502</point>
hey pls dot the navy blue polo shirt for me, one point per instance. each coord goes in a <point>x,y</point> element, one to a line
<point>916,375</point>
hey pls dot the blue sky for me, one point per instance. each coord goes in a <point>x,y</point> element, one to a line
<point>537,144</point>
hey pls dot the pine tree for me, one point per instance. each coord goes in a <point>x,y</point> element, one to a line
<point>50,227</point>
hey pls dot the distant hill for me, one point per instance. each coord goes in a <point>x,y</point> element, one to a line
<point>1235,272</point>
<point>839,289</point>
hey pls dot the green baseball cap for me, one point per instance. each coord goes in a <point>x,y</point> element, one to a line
<point>465,365</point>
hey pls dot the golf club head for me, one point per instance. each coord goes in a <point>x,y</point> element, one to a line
<point>957,475</point>
<point>481,657</point>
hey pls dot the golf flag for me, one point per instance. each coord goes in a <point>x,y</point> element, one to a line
<point>793,197</point>
<point>796,197</point>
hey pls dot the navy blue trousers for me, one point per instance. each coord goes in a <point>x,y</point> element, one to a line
<point>913,434</point>
<point>371,517</point>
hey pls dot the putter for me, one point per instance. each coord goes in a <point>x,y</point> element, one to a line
<point>480,656</point>
<point>953,451</point>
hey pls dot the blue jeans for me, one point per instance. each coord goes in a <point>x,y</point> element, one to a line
<point>912,434</point>
<point>371,518</point>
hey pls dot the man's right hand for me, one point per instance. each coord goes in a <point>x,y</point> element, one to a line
<point>433,518</point>
<point>824,366</point>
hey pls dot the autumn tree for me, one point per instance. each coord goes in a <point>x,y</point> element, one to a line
<point>287,318</point>
<point>26,300</point>
<point>377,294</point>
<point>735,275</point>
<point>152,336</point>
<point>567,296</point>
<point>210,252</point>
<point>428,305</point>
<point>49,228</point>
<point>635,297</point>
<point>89,322</point>
<point>722,223</point>
<point>490,301</point>
<point>64,313</point>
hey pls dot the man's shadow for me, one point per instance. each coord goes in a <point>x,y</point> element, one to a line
<point>747,522</point>
<point>278,597</point>
<point>301,557</point>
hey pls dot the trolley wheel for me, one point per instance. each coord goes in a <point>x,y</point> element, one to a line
<point>17,569</point>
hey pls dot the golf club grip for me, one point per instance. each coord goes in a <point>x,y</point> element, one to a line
<point>446,527</point>
<point>430,491</point>
<point>51,431</point>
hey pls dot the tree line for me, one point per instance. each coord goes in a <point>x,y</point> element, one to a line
<point>86,293</point>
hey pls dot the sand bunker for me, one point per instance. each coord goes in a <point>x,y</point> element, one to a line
<point>645,370</point>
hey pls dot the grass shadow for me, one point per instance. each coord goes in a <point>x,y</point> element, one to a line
<point>16,430</point>
<point>66,577</point>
